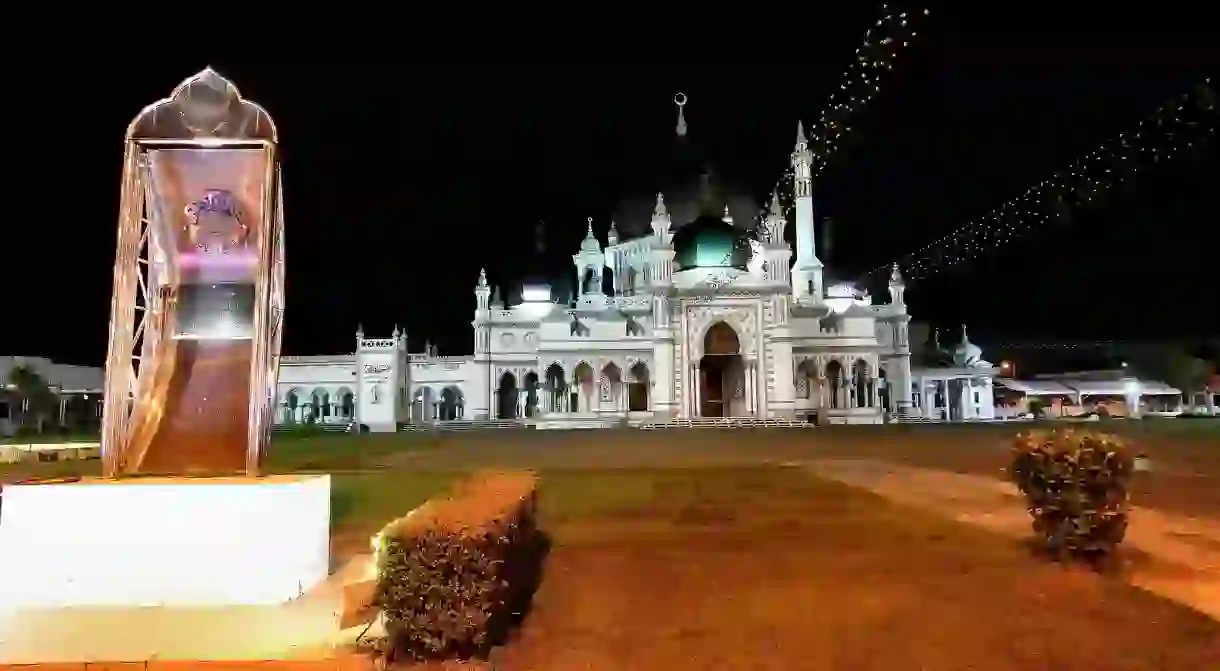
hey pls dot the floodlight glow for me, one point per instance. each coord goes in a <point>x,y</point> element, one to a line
<point>536,294</point>
<point>164,542</point>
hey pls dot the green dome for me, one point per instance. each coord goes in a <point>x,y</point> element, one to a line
<point>710,242</point>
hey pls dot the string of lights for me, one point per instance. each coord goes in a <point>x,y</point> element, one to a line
<point>1179,125</point>
<point>860,86</point>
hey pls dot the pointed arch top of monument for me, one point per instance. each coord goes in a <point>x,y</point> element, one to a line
<point>205,105</point>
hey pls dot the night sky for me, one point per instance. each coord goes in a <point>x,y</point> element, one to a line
<point>402,181</point>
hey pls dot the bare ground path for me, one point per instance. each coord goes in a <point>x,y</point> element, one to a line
<point>1176,556</point>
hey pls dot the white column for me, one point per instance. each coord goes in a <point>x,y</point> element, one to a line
<point>748,395</point>
<point>697,383</point>
<point>753,394</point>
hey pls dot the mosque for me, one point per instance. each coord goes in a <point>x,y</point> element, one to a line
<point>697,310</point>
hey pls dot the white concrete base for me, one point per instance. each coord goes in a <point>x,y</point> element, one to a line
<point>179,542</point>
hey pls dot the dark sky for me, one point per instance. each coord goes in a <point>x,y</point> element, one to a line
<point>402,181</point>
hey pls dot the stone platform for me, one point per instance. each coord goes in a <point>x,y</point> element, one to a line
<point>182,542</point>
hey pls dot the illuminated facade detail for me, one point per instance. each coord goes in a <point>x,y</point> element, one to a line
<point>683,314</point>
<point>197,313</point>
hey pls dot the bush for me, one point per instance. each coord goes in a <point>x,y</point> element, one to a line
<point>454,574</point>
<point>1037,407</point>
<point>1075,483</point>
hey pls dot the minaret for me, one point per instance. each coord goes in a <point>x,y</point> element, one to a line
<point>898,365</point>
<point>612,234</point>
<point>897,288</point>
<point>590,258</point>
<point>777,252</point>
<point>660,219</point>
<point>727,218</point>
<point>807,273</point>
<point>482,293</point>
<point>662,267</point>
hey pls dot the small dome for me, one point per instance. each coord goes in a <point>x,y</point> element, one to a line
<point>967,353</point>
<point>711,242</point>
<point>590,243</point>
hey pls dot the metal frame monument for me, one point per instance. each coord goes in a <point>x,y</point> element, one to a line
<point>198,302</point>
<point>196,318</point>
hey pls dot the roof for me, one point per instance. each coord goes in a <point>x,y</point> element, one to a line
<point>1036,387</point>
<point>1044,386</point>
<point>60,376</point>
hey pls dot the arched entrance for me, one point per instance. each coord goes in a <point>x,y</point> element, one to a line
<point>451,405</point>
<point>531,394</point>
<point>721,380</point>
<point>638,386</point>
<point>506,398</point>
<point>582,392</point>
<point>556,386</point>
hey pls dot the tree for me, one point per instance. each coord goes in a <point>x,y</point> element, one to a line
<point>1175,366</point>
<point>30,395</point>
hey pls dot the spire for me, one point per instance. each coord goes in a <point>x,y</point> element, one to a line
<point>728,218</point>
<point>612,234</point>
<point>359,330</point>
<point>482,278</point>
<point>396,332</point>
<point>590,243</point>
<point>680,101</point>
<point>776,209</point>
<point>659,211</point>
<point>965,337</point>
<point>896,276</point>
<point>801,141</point>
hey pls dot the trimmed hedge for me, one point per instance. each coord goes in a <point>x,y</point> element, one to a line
<point>456,573</point>
<point>1076,485</point>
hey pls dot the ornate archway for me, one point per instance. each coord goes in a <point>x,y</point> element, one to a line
<point>452,404</point>
<point>836,383</point>
<point>556,387</point>
<point>531,394</point>
<point>583,393</point>
<point>638,382</point>
<point>506,397</point>
<point>721,388</point>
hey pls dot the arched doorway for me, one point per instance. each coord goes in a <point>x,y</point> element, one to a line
<point>291,402</point>
<point>451,404</point>
<point>609,397</point>
<point>557,389</point>
<point>506,405</point>
<point>582,392</point>
<point>638,386</point>
<point>531,394</point>
<point>347,403</point>
<point>423,405</point>
<point>319,406</point>
<point>721,382</point>
<point>835,384</point>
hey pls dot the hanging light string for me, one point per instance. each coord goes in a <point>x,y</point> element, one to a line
<point>860,86</point>
<point>1181,124</point>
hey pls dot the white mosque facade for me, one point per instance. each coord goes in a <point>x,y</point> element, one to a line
<point>699,318</point>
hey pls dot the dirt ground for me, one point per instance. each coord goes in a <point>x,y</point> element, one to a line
<point>773,569</point>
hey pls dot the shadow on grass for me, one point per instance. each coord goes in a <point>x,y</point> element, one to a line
<point>525,576</point>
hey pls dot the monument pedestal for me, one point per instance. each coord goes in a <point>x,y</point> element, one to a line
<point>163,541</point>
